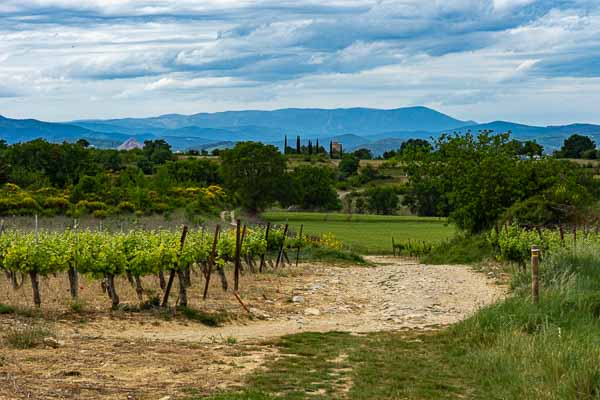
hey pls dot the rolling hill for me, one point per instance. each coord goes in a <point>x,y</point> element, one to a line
<point>378,130</point>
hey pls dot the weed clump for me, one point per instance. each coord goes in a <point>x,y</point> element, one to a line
<point>27,337</point>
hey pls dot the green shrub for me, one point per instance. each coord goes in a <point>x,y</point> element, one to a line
<point>100,214</point>
<point>5,309</point>
<point>126,207</point>
<point>460,250</point>
<point>208,319</point>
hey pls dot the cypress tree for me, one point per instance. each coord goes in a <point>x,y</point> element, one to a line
<point>285,145</point>
<point>310,149</point>
<point>298,149</point>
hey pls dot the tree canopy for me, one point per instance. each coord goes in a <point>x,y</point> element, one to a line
<point>576,145</point>
<point>474,179</point>
<point>253,172</point>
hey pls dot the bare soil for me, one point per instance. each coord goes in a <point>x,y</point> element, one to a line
<point>103,354</point>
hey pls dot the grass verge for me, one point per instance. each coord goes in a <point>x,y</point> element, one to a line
<point>460,250</point>
<point>511,350</point>
<point>331,256</point>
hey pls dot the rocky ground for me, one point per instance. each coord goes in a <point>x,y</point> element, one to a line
<point>104,355</point>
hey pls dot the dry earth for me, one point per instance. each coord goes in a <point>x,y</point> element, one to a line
<point>123,355</point>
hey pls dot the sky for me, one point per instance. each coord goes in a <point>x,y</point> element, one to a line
<point>528,61</point>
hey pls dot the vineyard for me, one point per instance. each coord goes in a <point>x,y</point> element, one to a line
<point>512,243</point>
<point>163,254</point>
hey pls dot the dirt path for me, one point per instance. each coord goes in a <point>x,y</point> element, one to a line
<point>137,356</point>
<point>396,294</point>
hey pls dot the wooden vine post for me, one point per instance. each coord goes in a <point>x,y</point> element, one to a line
<point>173,272</point>
<point>535,284</point>
<point>561,231</point>
<point>73,276</point>
<point>211,261</point>
<point>33,275</point>
<point>238,245</point>
<point>262,256</point>
<point>299,245</point>
<point>280,255</point>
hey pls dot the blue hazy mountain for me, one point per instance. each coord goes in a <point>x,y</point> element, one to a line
<point>378,130</point>
<point>306,122</point>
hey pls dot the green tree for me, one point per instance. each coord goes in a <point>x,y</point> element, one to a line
<point>382,200</point>
<point>476,178</point>
<point>157,151</point>
<point>576,145</point>
<point>363,154</point>
<point>349,165</point>
<point>316,188</point>
<point>471,178</point>
<point>83,142</point>
<point>254,173</point>
<point>531,149</point>
<point>415,145</point>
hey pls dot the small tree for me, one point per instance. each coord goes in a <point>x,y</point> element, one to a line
<point>382,200</point>
<point>415,145</point>
<point>349,165</point>
<point>253,172</point>
<point>363,154</point>
<point>576,145</point>
<point>315,188</point>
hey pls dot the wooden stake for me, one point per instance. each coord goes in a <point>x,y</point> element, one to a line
<point>262,257</point>
<point>237,296</point>
<point>562,233</point>
<point>173,272</point>
<point>299,245</point>
<point>535,284</point>
<point>242,245</point>
<point>280,255</point>
<point>238,245</point>
<point>211,261</point>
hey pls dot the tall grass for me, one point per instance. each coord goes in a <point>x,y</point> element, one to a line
<point>549,350</point>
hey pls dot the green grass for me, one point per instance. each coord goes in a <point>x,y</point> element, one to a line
<point>460,250</point>
<point>208,319</point>
<point>4,309</point>
<point>366,234</point>
<point>331,256</point>
<point>373,366</point>
<point>511,350</point>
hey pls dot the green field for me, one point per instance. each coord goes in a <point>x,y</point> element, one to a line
<point>366,234</point>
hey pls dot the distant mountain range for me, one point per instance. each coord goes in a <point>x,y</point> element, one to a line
<point>378,130</point>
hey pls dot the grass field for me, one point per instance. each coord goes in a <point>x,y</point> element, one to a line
<point>367,234</point>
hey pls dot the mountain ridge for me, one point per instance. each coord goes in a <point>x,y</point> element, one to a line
<point>353,127</point>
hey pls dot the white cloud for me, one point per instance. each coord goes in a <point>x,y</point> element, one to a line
<point>132,57</point>
<point>506,5</point>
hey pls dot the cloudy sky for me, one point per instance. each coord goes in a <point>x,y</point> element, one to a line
<point>528,61</point>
